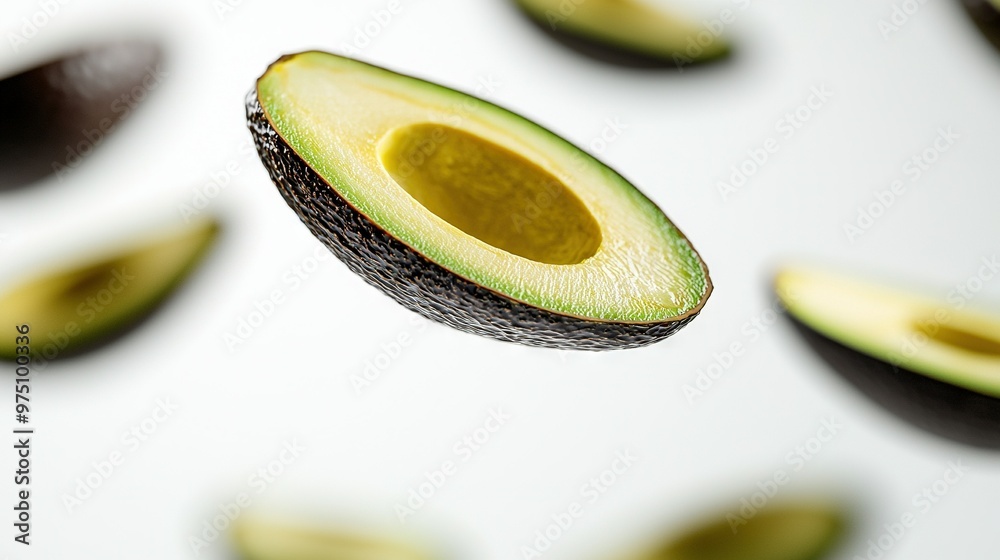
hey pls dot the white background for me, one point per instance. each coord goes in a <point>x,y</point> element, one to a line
<point>569,412</point>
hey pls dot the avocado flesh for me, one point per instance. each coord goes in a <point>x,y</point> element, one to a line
<point>92,302</point>
<point>61,110</point>
<point>256,540</point>
<point>918,334</point>
<point>628,26</point>
<point>785,532</point>
<point>529,232</point>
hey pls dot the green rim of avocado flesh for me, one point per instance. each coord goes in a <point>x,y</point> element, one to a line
<point>628,27</point>
<point>79,307</point>
<point>468,213</point>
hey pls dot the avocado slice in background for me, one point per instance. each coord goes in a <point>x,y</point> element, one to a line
<point>79,98</point>
<point>791,531</point>
<point>469,214</point>
<point>626,32</point>
<point>82,306</point>
<point>935,366</point>
<point>986,15</point>
<point>262,540</point>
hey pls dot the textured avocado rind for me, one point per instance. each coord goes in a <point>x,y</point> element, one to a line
<point>940,408</point>
<point>420,284</point>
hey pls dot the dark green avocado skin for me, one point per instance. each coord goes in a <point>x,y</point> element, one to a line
<point>986,18</point>
<point>55,114</point>
<point>940,408</point>
<point>416,282</point>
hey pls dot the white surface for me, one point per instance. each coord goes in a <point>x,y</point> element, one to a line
<point>570,412</point>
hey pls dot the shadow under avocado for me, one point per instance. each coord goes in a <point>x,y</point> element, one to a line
<point>940,408</point>
<point>58,112</point>
<point>986,17</point>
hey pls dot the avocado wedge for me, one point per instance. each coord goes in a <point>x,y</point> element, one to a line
<point>59,112</point>
<point>260,540</point>
<point>469,214</point>
<point>986,15</point>
<point>801,531</point>
<point>626,32</point>
<point>79,307</point>
<point>930,362</point>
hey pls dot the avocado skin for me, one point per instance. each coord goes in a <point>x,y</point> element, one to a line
<point>940,408</point>
<point>51,106</point>
<point>986,17</point>
<point>418,283</point>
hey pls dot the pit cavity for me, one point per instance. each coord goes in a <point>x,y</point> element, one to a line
<point>490,193</point>
<point>960,338</point>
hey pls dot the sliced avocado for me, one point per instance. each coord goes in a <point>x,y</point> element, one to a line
<point>927,361</point>
<point>630,32</point>
<point>60,111</point>
<point>806,531</point>
<point>469,214</point>
<point>986,15</point>
<point>261,540</point>
<point>80,307</point>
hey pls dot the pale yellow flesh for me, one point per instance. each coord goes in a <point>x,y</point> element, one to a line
<point>257,540</point>
<point>634,25</point>
<point>919,334</point>
<point>344,118</point>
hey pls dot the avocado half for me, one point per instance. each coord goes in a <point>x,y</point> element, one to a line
<point>933,365</point>
<point>627,32</point>
<point>264,540</point>
<point>469,214</point>
<point>792,531</point>
<point>986,15</point>
<point>60,111</point>
<point>83,306</point>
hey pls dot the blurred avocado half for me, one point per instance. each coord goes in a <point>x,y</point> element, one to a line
<point>934,363</point>
<point>78,307</point>
<point>57,113</point>
<point>265,540</point>
<point>627,32</point>
<point>986,15</point>
<point>790,531</point>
